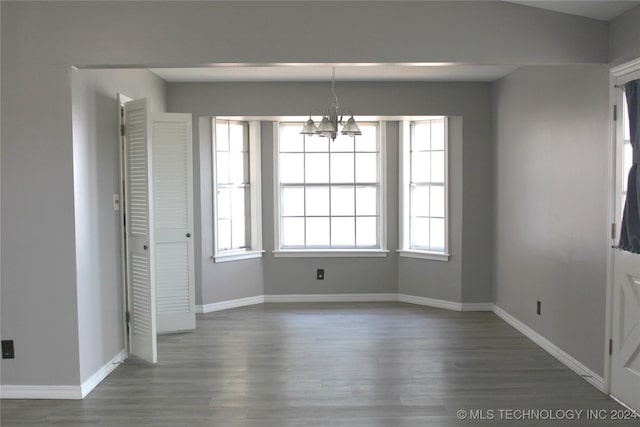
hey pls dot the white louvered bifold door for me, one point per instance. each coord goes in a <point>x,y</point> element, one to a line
<point>173,219</point>
<point>140,238</point>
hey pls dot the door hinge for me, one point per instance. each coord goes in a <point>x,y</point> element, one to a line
<point>126,316</point>
<point>122,130</point>
<point>610,347</point>
<point>615,113</point>
<point>613,231</point>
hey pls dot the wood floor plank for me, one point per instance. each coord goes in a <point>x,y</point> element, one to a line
<point>338,364</point>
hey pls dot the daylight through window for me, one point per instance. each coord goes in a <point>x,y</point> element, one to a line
<point>423,175</point>
<point>330,193</point>
<point>237,229</point>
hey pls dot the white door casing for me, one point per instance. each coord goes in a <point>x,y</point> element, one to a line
<point>139,231</point>
<point>173,221</point>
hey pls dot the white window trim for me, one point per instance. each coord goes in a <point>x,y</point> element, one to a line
<point>255,173</point>
<point>619,147</point>
<point>404,208</point>
<point>278,252</point>
<point>434,256</point>
<point>237,256</point>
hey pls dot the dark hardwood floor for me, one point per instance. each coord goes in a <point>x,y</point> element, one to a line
<point>338,364</point>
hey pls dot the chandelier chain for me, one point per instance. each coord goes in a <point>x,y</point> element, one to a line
<point>333,86</point>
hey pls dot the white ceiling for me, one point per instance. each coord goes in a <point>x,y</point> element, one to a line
<point>322,72</point>
<point>602,10</point>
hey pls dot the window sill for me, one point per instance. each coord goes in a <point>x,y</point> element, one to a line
<point>434,256</point>
<point>334,253</point>
<point>236,256</point>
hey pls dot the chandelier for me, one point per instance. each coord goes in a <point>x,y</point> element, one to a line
<point>331,118</point>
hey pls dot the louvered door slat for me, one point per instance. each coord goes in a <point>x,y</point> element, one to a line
<point>138,173</point>
<point>173,278</point>
<point>170,175</point>
<point>173,222</point>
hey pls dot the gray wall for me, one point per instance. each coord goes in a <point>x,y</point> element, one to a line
<point>97,225</point>
<point>190,33</point>
<point>39,296</point>
<point>471,101</point>
<point>552,139</point>
<point>624,37</point>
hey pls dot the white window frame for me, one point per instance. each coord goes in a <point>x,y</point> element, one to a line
<point>404,196</point>
<point>255,189</point>
<point>278,252</point>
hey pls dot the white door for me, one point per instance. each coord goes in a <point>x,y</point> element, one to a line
<point>625,317</point>
<point>625,356</point>
<point>139,235</point>
<point>171,151</point>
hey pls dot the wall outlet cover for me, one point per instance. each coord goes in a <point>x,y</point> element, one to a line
<point>7,349</point>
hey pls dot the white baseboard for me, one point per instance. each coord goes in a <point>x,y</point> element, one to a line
<point>477,306</point>
<point>225,305</point>
<point>331,298</point>
<point>259,299</point>
<point>40,392</point>
<point>568,360</point>
<point>382,297</point>
<point>430,302</point>
<point>62,391</point>
<point>102,373</point>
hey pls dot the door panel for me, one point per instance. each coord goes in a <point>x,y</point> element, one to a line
<point>139,237</point>
<point>625,358</point>
<point>173,221</point>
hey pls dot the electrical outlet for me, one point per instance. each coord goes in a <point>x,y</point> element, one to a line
<point>539,308</point>
<point>7,349</point>
<point>320,274</point>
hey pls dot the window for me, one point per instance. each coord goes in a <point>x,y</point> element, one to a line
<point>623,159</point>
<point>329,192</point>
<point>236,180</point>
<point>627,152</point>
<point>423,178</point>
